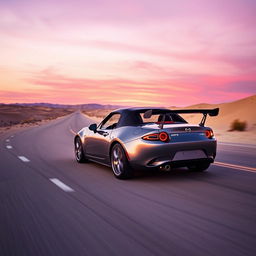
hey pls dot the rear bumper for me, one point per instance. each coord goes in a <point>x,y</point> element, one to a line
<point>153,154</point>
<point>182,163</point>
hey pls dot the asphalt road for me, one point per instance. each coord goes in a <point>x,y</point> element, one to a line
<point>51,205</point>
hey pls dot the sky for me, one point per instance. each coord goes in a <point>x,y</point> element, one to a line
<point>129,52</point>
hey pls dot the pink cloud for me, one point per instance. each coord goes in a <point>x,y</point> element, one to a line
<point>185,90</point>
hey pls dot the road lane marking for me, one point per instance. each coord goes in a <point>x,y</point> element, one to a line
<point>61,185</point>
<point>9,147</point>
<point>23,158</point>
<point>7,140</point>
<point>237,167</point>
<point>72,131</point>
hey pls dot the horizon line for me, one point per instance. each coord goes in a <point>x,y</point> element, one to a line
<point>77,104</point>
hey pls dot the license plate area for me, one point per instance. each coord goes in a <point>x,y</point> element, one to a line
<point>189,154</point>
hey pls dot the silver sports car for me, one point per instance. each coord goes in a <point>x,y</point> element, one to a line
<point>144,138</point>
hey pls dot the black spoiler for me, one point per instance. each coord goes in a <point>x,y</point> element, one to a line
<point>210,112</point>
<point>205,112</point>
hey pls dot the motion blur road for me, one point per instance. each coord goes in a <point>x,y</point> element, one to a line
<point>51,205</point>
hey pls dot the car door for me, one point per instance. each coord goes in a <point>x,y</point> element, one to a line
<point>100,141</point>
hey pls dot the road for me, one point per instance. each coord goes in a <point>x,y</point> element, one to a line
<point>51,205</point>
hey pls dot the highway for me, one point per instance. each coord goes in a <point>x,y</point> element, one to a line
<point>51,205</point>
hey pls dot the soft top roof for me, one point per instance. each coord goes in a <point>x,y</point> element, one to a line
<point>211,112</point>
<point>131,116</point>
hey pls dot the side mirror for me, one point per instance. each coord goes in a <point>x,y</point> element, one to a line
<point>93,127</point>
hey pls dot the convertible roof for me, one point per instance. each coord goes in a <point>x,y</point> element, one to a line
<point>211,112</point>
<point>131,117</point>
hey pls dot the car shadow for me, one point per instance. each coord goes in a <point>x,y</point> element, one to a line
<point>157,175</point>
<point>174,174</point>
<point>154,175</point>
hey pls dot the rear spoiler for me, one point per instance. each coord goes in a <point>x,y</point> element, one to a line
<point>205,112</point>
<point>211,112</point>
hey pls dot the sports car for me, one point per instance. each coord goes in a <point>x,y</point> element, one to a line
<point>146,138</point>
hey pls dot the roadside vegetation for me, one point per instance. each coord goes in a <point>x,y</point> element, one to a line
<point>21,115</point>
<point>238,125</point>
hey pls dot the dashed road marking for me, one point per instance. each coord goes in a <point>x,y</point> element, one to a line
<point>61,185</point>
<point>23,158</point>
<point>7,140</point>
<point>9,147</point>
<point>72,131</point>
<point>237,167</point>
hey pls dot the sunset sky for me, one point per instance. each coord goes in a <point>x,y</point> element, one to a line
<point>129,52</point>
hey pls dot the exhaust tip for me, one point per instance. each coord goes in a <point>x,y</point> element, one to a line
<point>165,167</point>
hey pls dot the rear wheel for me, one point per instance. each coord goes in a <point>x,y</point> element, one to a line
<point>79,152</point>
<point>199,167</point>
<point>119,163</point>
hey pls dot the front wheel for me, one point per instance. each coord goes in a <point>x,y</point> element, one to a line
<point>79,153</point>
<point>119,163</point>
<point>199,167</point>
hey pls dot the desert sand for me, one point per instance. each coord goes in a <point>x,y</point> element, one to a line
<point>244,110</point>
<point>13,114</point>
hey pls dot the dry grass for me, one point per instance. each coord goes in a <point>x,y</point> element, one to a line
<point>12,115</point>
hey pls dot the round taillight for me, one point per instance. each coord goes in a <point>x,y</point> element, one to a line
<point>163,136</point>
<point>209,134</point>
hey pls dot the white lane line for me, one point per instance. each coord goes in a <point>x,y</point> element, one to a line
<point>23,158</point>
<point>9,147</point>
<point>61,185</point>
<point>7,140</point>
<point>72,131</point>
<point>237,167</point>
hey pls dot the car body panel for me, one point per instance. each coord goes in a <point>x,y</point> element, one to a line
<point>187,142</point>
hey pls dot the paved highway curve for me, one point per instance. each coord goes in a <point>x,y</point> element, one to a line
<point>51,205</point>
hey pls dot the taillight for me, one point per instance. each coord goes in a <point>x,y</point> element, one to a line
<point>153,136</point>
<point>209,134</point>
<point>162,136</point>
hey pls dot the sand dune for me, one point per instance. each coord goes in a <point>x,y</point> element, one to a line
<point>244,110</point>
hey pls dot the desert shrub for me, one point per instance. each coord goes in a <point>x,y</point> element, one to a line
<point>30,121</point>
<point>237,125</point>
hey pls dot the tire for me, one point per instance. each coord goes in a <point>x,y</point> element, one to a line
<point>119,163</point>
<point>199,167</point>
<point>79,152</point>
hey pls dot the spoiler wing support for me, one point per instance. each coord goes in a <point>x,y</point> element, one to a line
<point>203,120</point>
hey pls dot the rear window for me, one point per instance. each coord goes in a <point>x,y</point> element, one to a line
<point>158,118</point>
